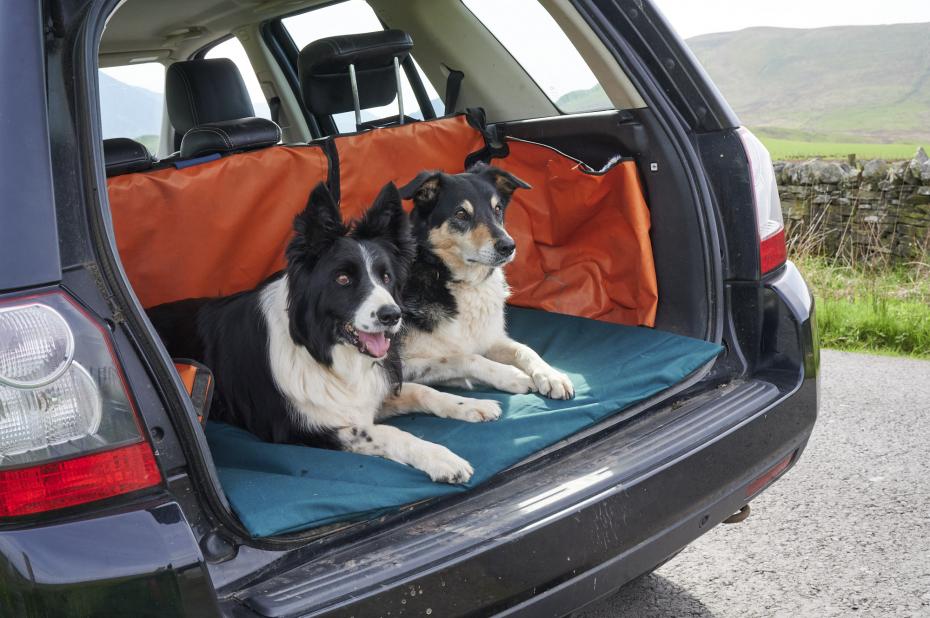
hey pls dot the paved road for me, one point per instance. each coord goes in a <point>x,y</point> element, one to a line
<point>845,533</point>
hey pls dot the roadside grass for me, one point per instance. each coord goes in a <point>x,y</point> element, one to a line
<point>877,310</point>
<point>790,149</point>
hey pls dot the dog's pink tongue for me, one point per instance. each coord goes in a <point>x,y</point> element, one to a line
<point>376,343</point>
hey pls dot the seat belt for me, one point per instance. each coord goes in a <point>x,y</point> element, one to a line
<point>274,106</point>
<point>453,86</point>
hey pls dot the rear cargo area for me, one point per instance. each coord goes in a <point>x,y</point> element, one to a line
<point>585,296</point>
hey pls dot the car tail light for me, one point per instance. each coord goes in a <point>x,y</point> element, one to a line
<point>69,433</point>
<point>769,221</point>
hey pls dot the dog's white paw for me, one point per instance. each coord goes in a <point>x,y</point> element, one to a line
<point>553,384</point>
<point>444,466</point>
<point>475,410</point>
<point>512,380</point>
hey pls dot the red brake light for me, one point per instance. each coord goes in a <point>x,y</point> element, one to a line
<point>61,484</point>
<point>773,252</point>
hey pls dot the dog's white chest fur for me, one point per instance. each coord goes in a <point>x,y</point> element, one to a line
<point>478,325</point>
<point>350,392</point>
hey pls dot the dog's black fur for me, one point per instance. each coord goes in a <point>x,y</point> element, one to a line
<point>230,334</point>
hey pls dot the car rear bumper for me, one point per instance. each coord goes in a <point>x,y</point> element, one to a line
<point>599,518</point>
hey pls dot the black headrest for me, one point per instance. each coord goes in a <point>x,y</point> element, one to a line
<point>229,136</point>
<point>203,91</point>
<point>124,156</point>
<point>323,67</point>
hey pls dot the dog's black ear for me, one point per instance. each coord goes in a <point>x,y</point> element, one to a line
<point>384,216</point>
<point>386,221</point>
<point>424,189</point>
<point>505,182</point>
<point>316,227</point>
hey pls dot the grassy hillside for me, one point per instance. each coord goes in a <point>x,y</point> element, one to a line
<point>836,87</point>
<point>592,99</point>
<point>805,149</point>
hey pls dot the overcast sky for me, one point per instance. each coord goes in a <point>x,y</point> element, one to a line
<point>693,17</point>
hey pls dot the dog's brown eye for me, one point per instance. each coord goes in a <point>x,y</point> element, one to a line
<point>386,277</point>
<point>343,279</point>
<point>461,214</point>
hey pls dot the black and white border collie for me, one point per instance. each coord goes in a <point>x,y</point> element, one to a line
<point>307,356</point>
<point>456,293</point>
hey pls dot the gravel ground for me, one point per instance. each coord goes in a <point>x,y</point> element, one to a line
<point>845,533</point>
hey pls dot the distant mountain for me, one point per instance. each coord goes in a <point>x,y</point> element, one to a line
<point>592,99</point>
<point>128,111</point>
<point>134,112</point>
<point>847,83</point>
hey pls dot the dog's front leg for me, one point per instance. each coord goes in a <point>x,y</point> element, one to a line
<point>441,464</point>
<point>466,367</point>
<point>420,398</point>
<point>549,381</point>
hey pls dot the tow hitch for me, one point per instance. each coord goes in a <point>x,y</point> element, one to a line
<point>738,516</point>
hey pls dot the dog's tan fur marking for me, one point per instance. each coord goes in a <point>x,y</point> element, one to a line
<point>450,246</point>
<point>445,244</point>
<point>480,236</point>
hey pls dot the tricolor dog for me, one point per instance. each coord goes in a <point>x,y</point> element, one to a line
<point>456,292</point>
<point>310,355</point>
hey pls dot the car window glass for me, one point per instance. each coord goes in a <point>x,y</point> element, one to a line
<point>132,102</point>
<point>232,49</point>
<point>355,17</point>
<point>537,42</point>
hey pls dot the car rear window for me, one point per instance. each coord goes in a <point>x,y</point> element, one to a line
<point>233,50</point>
<point>132,102</point>
<point>544,51</point>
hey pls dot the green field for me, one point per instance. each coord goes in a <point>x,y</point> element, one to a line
<point>782,149</point>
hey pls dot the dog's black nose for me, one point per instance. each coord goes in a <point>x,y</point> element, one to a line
<point>505,246</point>
<point>389,315</point>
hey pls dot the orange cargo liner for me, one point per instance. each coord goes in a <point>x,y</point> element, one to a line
<point>368,161</point>
<point>212,229</point>
<point>221,227</point>
<point>582,238</point>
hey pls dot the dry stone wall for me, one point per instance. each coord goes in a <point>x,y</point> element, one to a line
<point>862,210</point>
